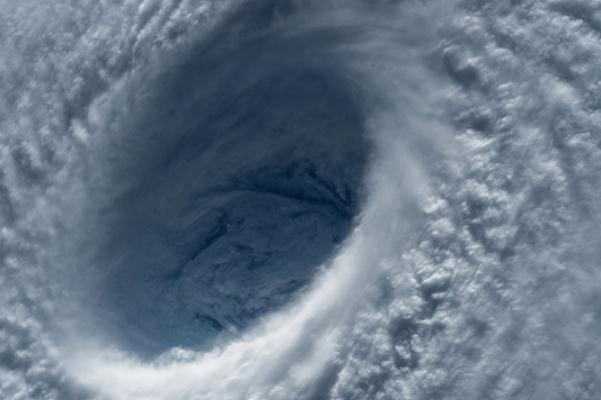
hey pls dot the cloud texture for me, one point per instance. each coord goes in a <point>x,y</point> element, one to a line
<point>450,158</point>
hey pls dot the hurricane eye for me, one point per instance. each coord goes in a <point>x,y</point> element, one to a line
<point>255,181</point>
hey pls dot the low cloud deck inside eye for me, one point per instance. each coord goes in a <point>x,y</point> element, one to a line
<point>238,215</point>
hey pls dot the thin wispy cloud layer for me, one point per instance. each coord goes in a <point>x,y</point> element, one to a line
<point>299,200</point>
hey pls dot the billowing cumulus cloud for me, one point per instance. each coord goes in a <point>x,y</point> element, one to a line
<point>299,200</point>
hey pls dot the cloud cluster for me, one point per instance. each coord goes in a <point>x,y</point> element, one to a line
<point>473,269</point>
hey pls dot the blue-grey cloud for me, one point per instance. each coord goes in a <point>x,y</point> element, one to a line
<point>299,200</point>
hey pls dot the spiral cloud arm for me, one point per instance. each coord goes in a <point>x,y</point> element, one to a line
<point>298,199</point>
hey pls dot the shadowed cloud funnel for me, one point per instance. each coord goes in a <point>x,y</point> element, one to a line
<point>260,181</point>
<point>241,175</point>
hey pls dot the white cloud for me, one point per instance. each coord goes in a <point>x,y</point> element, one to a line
<point>473,270</point>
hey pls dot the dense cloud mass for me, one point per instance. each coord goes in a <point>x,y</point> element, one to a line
<point>298,199</point>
